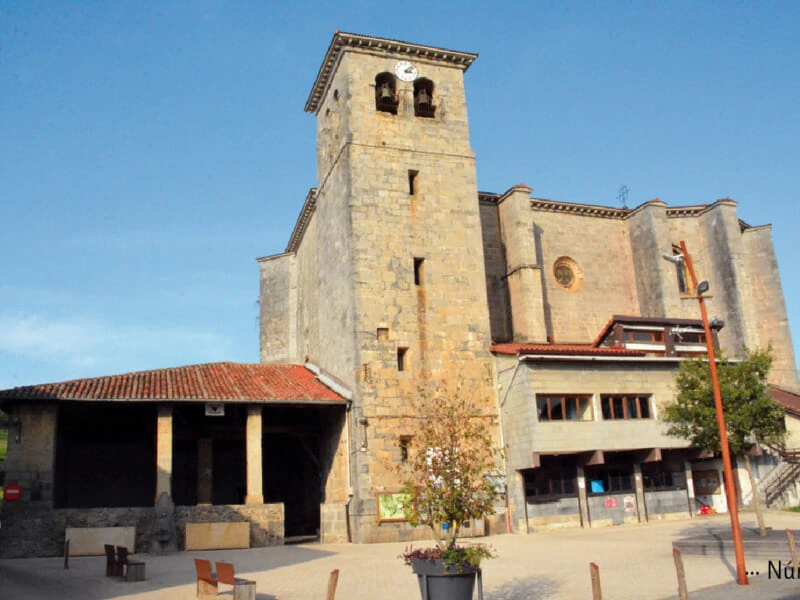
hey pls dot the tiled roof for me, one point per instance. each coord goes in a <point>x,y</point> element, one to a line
<point>225,381</point>
<point>790,401</point>
<point>562,350</point>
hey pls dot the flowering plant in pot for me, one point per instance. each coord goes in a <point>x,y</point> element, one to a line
<point>448,479</point>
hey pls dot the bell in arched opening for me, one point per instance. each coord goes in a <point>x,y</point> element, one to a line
<point>385,93</point>
<point>423,98</point>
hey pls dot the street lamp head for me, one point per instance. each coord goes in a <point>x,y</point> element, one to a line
<point>676,259</point>
<point>715,324</point>
<point>702,287</point>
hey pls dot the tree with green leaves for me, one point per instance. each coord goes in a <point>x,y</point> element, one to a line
<point>448,477</point>
<point>752,417</point>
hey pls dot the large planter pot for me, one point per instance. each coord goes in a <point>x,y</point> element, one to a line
<point>437,582</point>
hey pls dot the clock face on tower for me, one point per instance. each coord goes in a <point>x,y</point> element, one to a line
<point>405,71</point>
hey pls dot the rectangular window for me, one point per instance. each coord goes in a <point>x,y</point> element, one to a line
<point>644,337</point>
<point>419,271</point>
<point>655,476</point>
<point>401,359</point>
<point>405,444</point>
<point>556,477</point>
<point>383,333</point>
<point>690,337</point>
<point>625,407</point>
<point>564,408</point>
<point>609,479</point>
<point>412,182</point>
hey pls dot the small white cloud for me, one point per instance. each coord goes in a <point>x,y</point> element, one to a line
<point>82,343</point>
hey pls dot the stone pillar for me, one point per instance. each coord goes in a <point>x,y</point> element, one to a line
<point>524,274</point>
<point>687,467</point>
<point>32,433</point>
<point>639,486</point>
<point>583,503</point>
<point>205,470</point>
<point>164,451</point>
<point>255,488</point>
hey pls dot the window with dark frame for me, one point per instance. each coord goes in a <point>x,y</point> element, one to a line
<point>563,407</point>
<point>637,336</point>
<point>609,479</point>
<point>401,359</point>
<point>556,477</point>
<point>656,476</point>
<point>624,407</point>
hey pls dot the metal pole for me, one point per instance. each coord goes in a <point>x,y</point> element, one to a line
<point>730,490</point>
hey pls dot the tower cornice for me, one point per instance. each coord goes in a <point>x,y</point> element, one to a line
<point>351,42</point>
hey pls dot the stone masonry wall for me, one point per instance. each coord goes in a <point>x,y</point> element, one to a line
<point>372,226</point>
<point>30,530</point>
<point>278,308</point>
<point>495,265</point>
<point>31,451</point>
<point>602,249</point>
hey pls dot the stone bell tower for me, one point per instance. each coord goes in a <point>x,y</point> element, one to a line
<point>401,282</point>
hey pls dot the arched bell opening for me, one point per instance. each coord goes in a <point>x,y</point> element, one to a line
<point>386,93</point>
<point>423,98</point>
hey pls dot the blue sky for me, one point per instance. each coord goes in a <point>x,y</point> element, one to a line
<point>149,152</point>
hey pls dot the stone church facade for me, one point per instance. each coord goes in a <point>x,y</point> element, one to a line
<point>400,272</point>
<point>564,319</point>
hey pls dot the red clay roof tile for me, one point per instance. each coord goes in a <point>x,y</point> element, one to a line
<point>562,350</point>
<point>242,382</point>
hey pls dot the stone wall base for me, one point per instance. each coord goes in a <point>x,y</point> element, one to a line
<point>30,530</point>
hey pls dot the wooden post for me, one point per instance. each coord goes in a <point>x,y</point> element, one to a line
<point>792,549</point>
<point>594,571</point>
<point>332,581</point>
<point>683,593</point>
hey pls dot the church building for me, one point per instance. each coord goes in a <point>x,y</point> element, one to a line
<point>564,319</point>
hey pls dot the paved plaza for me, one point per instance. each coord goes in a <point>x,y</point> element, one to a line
<point>635,563</point>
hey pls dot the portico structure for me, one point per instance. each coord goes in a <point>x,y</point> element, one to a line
<point>224,442</point>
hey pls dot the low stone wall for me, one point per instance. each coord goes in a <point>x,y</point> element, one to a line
<point>30,530</point>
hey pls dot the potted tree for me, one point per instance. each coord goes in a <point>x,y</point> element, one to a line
<point>448,479</point>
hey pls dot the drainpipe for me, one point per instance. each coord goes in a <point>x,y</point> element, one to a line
<point>348,412</point>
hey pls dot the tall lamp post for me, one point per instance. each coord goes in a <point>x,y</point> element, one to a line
<point>730,490</point>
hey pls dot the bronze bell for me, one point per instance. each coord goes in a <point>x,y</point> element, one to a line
<point>423,97</point>
<point>386,91</point>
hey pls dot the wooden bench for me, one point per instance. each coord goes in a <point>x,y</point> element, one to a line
<point>217,536</point>
<point>90,541</point>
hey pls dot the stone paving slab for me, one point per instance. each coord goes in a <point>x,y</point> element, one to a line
<point>635,563</point>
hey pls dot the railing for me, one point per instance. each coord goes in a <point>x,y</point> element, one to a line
<point>787,477</point>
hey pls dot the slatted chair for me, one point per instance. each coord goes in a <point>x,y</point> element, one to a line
<point>131,570</point>
<point>113,566</point>
<point>206,580</point>
<point>243,589</point>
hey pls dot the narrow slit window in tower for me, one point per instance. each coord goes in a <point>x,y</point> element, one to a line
<point>419,271</point>
<point>401,359</point>
<point>412,182</point>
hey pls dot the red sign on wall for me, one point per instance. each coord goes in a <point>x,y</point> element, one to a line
<point>12,492</point>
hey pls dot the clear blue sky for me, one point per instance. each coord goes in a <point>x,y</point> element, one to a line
<point>150,151</point>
